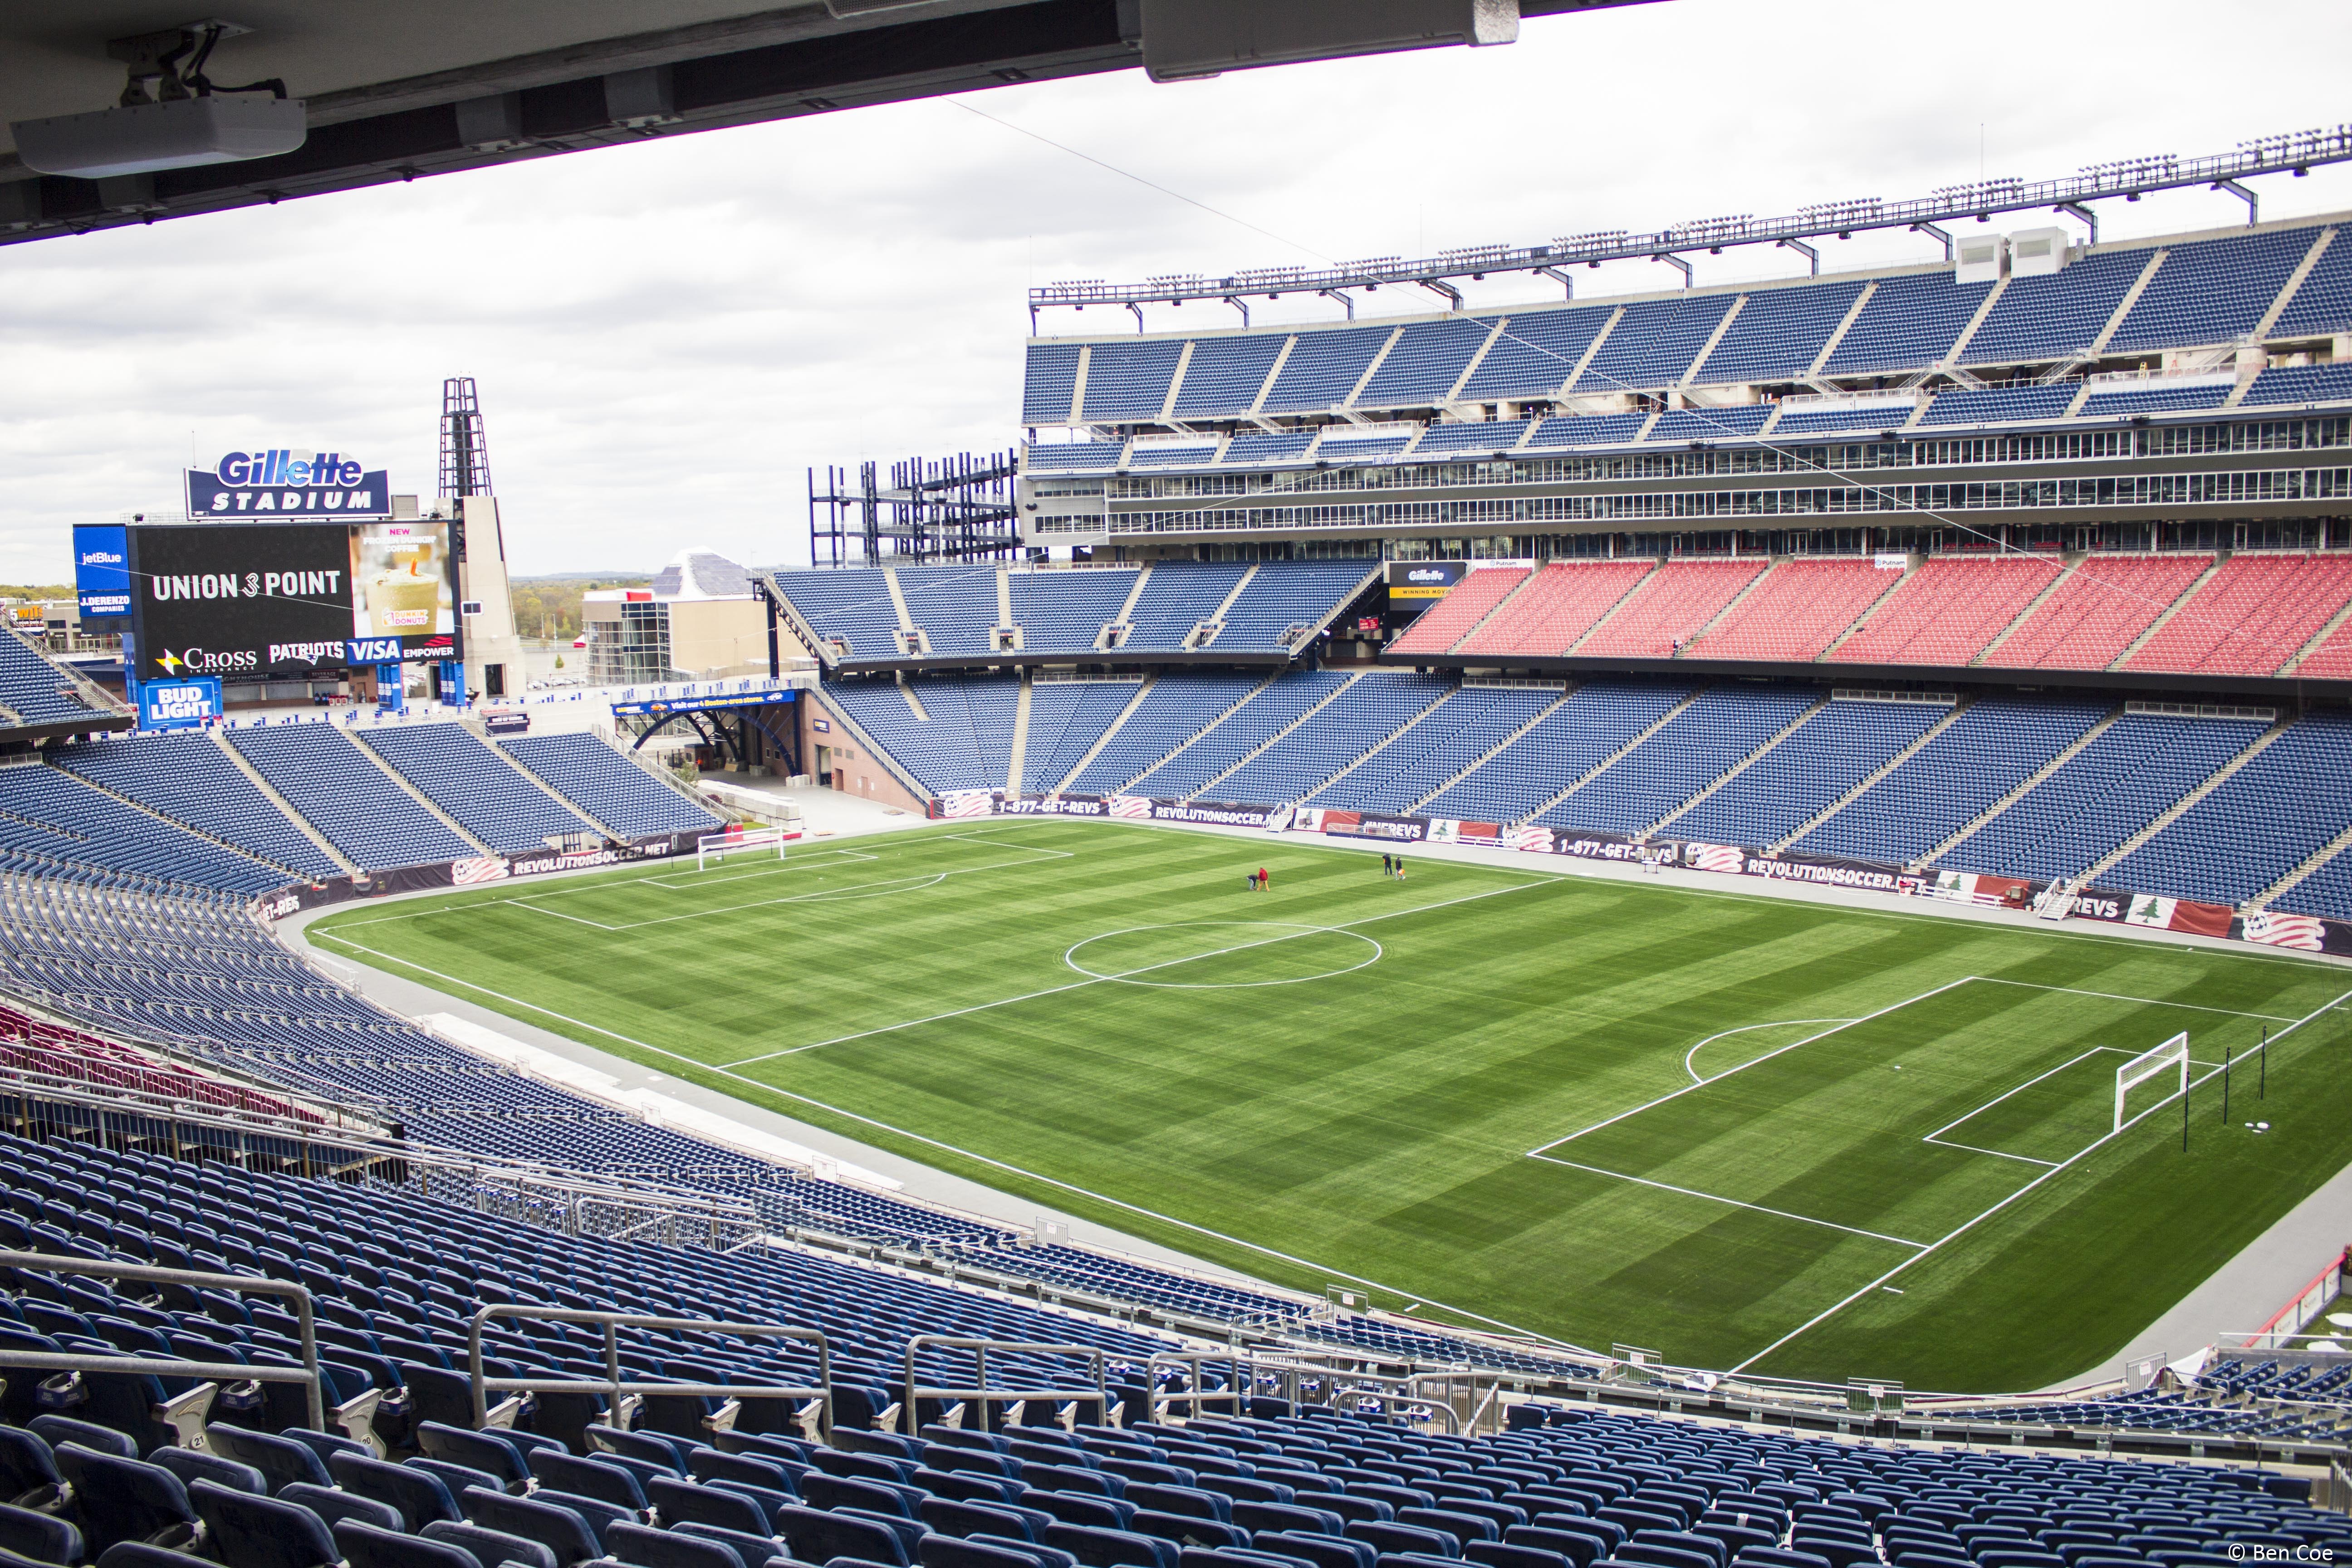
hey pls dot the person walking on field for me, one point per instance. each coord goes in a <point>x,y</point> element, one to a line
<point>1387,867</point>
<point>1261,878</point>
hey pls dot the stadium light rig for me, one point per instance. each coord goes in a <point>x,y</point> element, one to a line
<point>2296,152</point>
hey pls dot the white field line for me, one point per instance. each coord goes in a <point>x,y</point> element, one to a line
<point>1996,1154</point>
<point>1735,1203</point>
<point>1745,1029</point>
<point>2145,1001</point>
<point>1106,979</point>
<point>883,889</point>
<point>604,885</point>
<point>1006,1166</point>
<point>800,862</point>
<point>1956,1232</point>
<point>1937,1135</point>
<point>1743,1067</point>
<point>814,859</point>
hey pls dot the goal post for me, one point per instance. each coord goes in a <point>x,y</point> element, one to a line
<point>2172,1054</point>
<point>714,848</point>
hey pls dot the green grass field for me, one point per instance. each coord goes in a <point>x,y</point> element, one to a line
<point>1739,1129</point>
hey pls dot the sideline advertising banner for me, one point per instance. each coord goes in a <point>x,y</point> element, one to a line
<point>474,871</point>
<point>1360,825</point>
<point>1052,805</point>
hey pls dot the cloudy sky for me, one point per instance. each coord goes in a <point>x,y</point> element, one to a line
<point>669,335</point>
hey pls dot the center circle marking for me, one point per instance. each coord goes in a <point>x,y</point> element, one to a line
<point>1291,930</point>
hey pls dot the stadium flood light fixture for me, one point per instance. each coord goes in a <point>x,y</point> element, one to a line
<point>2295,153</point>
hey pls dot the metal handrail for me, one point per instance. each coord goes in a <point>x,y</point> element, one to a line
<point>613,1385</point>
<point>1244,1368</point>
<point>107,1268</point>
<point>980,1349</point>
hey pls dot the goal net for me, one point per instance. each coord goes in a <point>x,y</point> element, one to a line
<point>712,849</point>
<point>2171,1055</point>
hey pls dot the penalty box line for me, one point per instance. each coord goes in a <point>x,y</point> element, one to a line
<point>1735,1203</point>
<point>1966,1225</point>
<point>1840,1025</point>
<point>1743,1067</point>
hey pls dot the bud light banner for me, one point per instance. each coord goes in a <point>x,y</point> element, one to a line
<point>179,704</point>
<point>102,571</point>
<point>282,483</point>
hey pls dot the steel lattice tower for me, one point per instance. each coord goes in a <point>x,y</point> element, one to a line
<point>465,452</point>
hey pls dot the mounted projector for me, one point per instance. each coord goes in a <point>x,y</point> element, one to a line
<point>186,133</point>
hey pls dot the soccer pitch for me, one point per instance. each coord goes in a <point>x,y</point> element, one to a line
<point>1809,1140</point>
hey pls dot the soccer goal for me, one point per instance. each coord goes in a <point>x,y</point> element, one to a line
<point>2173,1053</point>
<point>712,849</point>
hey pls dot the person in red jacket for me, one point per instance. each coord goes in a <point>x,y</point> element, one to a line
<point>1262,880</point>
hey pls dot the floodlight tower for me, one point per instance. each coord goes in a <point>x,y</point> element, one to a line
<point>465,452</point>
<point>493,663</point>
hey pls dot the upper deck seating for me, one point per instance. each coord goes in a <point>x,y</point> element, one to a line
<point>1800,608</point>
<point>1669,607</point>
<point>2097,612</point>
<point>1449,620</point>
<point>1949,609</point>
<point>1560,605</point>
<point>2253,616</point>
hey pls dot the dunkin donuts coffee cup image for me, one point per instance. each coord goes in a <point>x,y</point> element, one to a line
<point>403,588</point>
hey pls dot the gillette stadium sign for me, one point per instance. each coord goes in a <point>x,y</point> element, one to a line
<point>282,482</point>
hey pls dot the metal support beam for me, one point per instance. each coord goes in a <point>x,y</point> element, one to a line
<point>1565,280</point>
<point>2254,203</point>
<point>1812,256</point>
<point>1344,298</point>
<point>1236,302</point>
<point>1139,315</point>
<point>1933,231</point>
<point>2077,210</point>
<point>1677,263</point>
<point>1448,291</point>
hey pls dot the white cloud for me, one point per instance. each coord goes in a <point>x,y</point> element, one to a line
<point>666,335</point>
